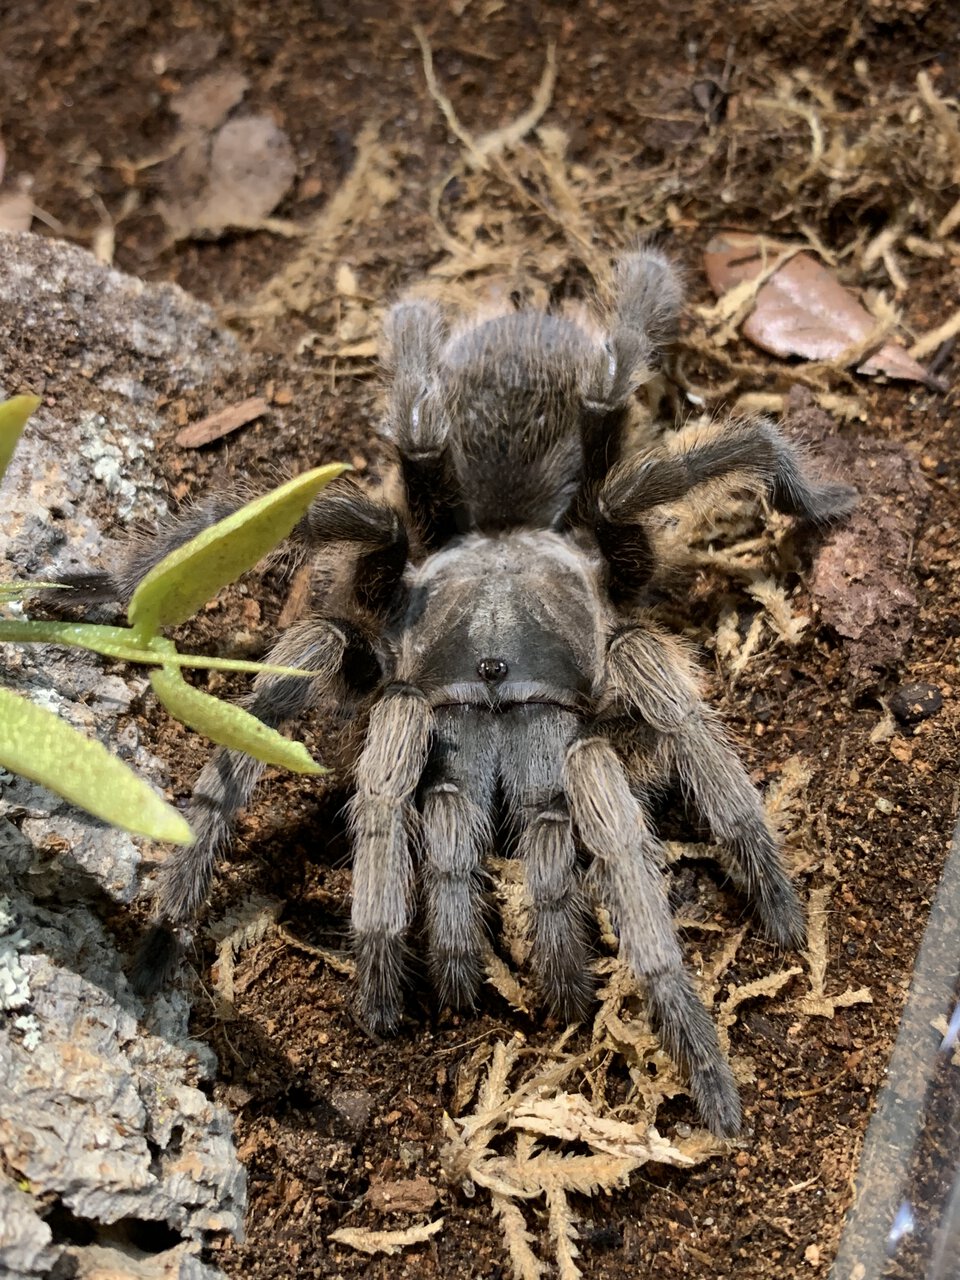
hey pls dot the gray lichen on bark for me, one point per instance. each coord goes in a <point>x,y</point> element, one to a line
<point>113,1158</point>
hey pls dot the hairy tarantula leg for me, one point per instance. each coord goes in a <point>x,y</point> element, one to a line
<point>345,513</point>
<point>648,672</point>
<point>381,816</point>
<point>415,333</point>
<point>656,476</point>
<point>229,777</point>
<point>534,743</point>
<point>647,298</point>
<point>627,862</point>
<point>456,798</point>
<point>142,552</point>
<point>755,448</point>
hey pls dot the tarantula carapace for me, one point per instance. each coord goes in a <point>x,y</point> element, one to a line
<point>488,621</point>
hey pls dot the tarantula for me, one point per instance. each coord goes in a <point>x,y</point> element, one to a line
<point>489,624</point>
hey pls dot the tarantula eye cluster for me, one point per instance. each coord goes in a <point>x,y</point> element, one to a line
<point>490,629</point>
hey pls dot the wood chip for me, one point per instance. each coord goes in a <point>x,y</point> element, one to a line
<point>409,1195</point>
<point>221,423</point>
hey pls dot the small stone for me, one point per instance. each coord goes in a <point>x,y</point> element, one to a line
<point>353,1107</point>
<point>812,1255</point>
<point>915,702</point>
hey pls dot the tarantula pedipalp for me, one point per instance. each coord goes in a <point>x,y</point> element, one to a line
<point>491,626</point>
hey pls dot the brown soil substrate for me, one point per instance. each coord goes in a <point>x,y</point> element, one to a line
<point>323,1114</point>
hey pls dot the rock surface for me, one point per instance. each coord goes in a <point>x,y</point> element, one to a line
<point>119,1163</point>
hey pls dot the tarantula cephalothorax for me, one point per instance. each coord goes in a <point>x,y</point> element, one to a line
<point>490,625</point>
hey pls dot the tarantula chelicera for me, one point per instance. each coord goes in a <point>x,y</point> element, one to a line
<point>489,624</point>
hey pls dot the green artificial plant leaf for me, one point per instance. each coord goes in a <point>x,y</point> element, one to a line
<point>187,578</point>
<point>13,418</point>
<point>37,744</point>
<point>124,644</point>
<point>228,724</point>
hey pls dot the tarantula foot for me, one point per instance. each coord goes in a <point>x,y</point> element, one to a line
<point>381,966</point>
<point>718,1100</point>
<point>570,995</point>
<point>561,962</point>
<point>690,1037</point>
<point>156,961</point>
<point>79,588</point>
<point>833,502</point>
<point>782,915</point>
<point>457,976</point>
<point>821,505</point>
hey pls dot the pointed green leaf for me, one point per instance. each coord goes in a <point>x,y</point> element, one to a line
<point>13,418</point>
<point>187,578</point>
<point>17,590</point>
<point>228,724</point>
<point>124,644</point>
<point>39,745</point>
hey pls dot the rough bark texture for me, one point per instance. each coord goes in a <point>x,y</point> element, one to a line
<point>113,1160</point>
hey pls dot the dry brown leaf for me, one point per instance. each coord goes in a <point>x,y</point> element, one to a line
<point>784,796</point>
<point>298,597</point>
<point>802,310</point>
<point>221,423</point>
<point>863,578</point>
<point>788,625</point>
<point>769,985</point>
<point>563,1232</point>
<point>237,932</point>
<point>408,1195</point>
<point>368,189</point>
<point>468,1075</point>
<point>389,1242</point>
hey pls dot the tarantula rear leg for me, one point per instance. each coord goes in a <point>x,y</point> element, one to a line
<point>627,868</point>
<point>228,779</point>
<point>648,673</point>
<point>696,455</point>
<point>382,816</point>
<point>534,745</point>
<point>456,799</point>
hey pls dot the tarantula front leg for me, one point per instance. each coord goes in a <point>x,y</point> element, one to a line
<point>648,673</point>
<point>534,743</point>
<point>142,553</point>
<point>416,422</point>
<point>342,513</point>
<point>382,815</point>
<point>456,799</point>
<point>227,781</point>
<point>627,866</point>
<point>646,309</point>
